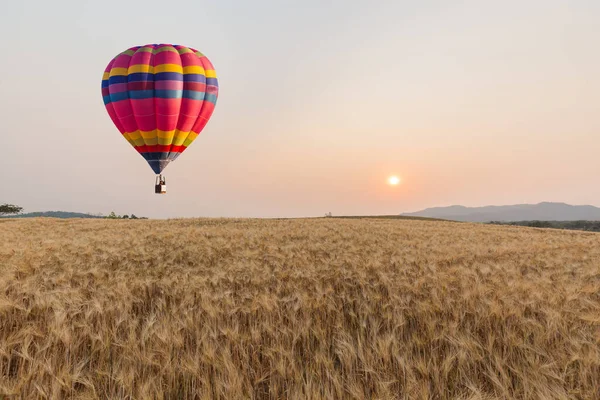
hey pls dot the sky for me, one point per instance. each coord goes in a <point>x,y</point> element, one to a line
<point>320,101</point>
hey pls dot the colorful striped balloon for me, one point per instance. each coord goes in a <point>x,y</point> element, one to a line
<point>160,97</point>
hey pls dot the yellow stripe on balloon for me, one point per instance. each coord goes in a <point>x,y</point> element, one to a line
<point>191,137</point>
<point>148,134</point>
<point>118,71</point>
<point>134,135</point>
<point>105,75</point>
<point>165,137</point>
<point>211,73</point>
<point>168,68</point>
<point>193,69</point>
<point>134,138</point>
<point>140,68</point>
<point>137,138</point>
<point>179,138</point>
<point>165,134</point>
<point>149,137</point>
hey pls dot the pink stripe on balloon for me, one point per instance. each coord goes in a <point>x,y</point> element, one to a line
<point>146,122</point>
<point>167,57</point>
<point>168,85</point>
<point>114,117</point>
<point>212,89</point>
<point>122,61</point>
<point>144,113</point>
<point>143,106</point>
<point>128,122</point>
<point>206,62</point>
<point>190,109</point>
<point>195,86</point>
<point>166,122</point>
<point>141,57</point>
<point>117,87</point>
<point>207,110</point>
<point>167,106</point>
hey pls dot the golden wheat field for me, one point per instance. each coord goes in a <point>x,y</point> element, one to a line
<point>297,309</point>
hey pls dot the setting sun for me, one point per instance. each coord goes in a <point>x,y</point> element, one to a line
<point>393,180</point>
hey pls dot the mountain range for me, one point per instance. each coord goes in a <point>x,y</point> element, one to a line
<point>545,211</point>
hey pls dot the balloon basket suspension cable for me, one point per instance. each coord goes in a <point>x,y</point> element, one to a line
<point>160,187</point>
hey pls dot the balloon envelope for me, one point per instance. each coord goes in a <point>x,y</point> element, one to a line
<point>160,97</point>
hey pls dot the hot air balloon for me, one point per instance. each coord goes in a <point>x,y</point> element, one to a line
<point>160,97</point>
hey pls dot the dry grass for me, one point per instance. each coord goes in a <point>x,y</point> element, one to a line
<point>295,309</point>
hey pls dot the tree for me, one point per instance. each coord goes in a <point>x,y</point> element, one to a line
<point>125,216</point>
<point>10,209</point>
<point>112,215</point>
<point>133,216</point>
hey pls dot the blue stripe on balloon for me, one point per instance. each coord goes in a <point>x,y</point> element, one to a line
<point>194,78</point>
<point>141,94</point>
<point>168,76</point>
<point>105,83</point>
<point>149,156</point>
<point>117,79</point>
<point>114,97</point>
<point>211,98</point>
<point>140,77</point>
<point>212,81</point>
<point>159,94</point>
<point>192,94</point>
<point>161,76</point>
<point>154,156</point>
<point>168,94</point>
<point>106,99</point>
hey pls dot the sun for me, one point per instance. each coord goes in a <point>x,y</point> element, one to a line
<point>393,180</point>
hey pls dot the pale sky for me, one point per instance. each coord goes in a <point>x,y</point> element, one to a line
<point>469,102</point>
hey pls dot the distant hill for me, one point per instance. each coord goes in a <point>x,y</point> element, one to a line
<point>52,214</point>
<point>387,217</point>
<point>545,211</point>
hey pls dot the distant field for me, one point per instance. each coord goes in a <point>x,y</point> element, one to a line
<point>327,308</point>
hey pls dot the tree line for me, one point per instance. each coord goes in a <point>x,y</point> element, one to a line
<point>583,225</point>
<point>11,209</point>
<point>8,209</point>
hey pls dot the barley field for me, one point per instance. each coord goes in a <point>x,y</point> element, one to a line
<point>297,309</point>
